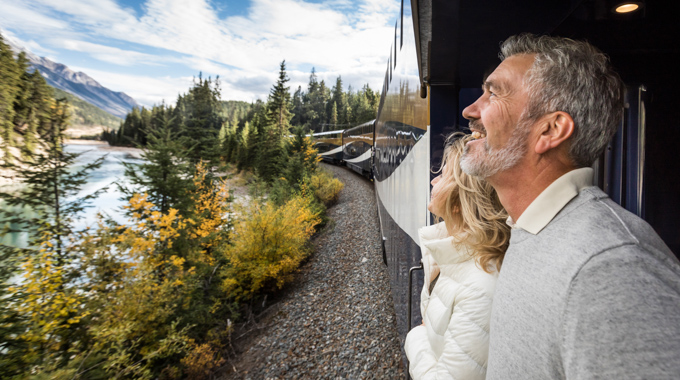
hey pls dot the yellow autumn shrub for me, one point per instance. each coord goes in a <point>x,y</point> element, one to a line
<point>201,361</point>
<point>268,244</point>
<point>325,187</point>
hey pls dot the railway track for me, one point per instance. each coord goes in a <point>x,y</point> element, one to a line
<point>337,320</point>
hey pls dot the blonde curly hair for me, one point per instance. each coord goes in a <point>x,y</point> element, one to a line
<point>473,214</point>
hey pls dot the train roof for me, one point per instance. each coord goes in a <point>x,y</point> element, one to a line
<point>455,40</point>
<point>361,125</point>
<point>328,133</point>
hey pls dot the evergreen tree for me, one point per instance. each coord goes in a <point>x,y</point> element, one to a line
<point>297,107</point>
<point>272,155</point>
<point>166,171</point>
<point>10,77</point>
<point>47,298</point>
<point>203,121</point>
<point>340,99</point>
<point>333,121</point>
<point>279,102</point>
<point>302,158</point>
<point>247,144</point>
<point>33,113</point>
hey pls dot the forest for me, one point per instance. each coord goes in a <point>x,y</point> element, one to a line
<point>160,296</point>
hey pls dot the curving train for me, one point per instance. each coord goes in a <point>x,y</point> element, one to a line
<point>352,147</point>
<point>439,55</point>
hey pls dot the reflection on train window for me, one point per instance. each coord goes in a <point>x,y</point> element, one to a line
<point>401,24</point>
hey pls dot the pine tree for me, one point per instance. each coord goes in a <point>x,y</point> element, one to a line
<point>297,107</point>
<point>333,121</point>
<point>279,102</point>
<point>202,120</point>
<point>247,143</point>
<point>272,155</point>
<point>47,298</point>
<point>10,77</point>
<point>32,110</point>
<point>340,99</point>
<point>165,173</point>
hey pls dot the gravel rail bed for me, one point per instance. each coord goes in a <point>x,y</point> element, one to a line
<point>337,320</point>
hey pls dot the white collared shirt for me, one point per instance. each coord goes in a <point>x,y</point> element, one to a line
<point>544,208</point>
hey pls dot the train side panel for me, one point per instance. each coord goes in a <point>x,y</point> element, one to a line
<point>329,146</point>
<point>357,146</point>
<point>402,166</point>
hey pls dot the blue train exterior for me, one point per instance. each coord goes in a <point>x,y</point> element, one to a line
<point>440,53</point>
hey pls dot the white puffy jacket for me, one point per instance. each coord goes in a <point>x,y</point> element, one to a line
<point>454,341</point>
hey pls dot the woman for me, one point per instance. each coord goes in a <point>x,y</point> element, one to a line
<point>461,257</point>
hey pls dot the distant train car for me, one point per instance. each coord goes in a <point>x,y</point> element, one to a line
<point>440,54</point>
<point>329,146</point>
<point>357,148</point>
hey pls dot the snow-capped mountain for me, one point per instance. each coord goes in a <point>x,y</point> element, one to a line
<point>78,84</point>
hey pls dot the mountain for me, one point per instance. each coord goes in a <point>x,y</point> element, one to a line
<point>84,114</point>
<point>78,83</point>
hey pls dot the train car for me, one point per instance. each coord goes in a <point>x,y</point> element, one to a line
<point>357,148</point>
<point>402,162</point>
<point>329,146</point>
<point>440,53</point>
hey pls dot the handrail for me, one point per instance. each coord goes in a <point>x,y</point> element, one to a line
<point>410,304</point>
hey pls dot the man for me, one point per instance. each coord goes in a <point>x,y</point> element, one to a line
<point>586,289</point>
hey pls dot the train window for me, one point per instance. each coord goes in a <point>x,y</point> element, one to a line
<point>389,65</point>
<point>396,24</point>
<point>401,23</point>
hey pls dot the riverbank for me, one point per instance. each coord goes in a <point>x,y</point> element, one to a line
<point>9,178</point>
<point>103,145</point>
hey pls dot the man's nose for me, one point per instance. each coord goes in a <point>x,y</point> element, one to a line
<point>471,112</point>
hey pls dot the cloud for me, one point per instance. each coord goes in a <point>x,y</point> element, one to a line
<point>338,37</point>
<point>15,15</point>
<point>31,45</point>
<point>110,54</point>
<point>146,90</point>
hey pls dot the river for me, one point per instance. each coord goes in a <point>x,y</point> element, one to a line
<point>112,170</point>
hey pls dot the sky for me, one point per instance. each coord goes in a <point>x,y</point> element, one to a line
<point>152,50</point>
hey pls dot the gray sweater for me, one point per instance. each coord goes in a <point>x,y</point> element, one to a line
<point>594,295</point>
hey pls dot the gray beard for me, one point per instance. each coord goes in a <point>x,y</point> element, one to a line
<point>492,161</point>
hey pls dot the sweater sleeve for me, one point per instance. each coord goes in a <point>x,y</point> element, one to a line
<point>622,318</point>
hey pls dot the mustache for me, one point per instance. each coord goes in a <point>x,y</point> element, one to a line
<point>477,125</point>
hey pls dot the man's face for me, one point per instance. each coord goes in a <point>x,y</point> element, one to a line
<point>496,115</point>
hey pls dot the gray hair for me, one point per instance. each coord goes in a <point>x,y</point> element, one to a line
<point>574,77</point>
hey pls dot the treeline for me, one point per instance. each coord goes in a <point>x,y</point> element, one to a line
<point>322,109</point>
<point>28,109</point>
<point>317,109</point>
<point>159,296</point>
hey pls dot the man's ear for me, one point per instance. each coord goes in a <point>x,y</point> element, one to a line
<point>555,129</point>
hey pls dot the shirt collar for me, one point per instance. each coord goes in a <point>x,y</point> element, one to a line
<point>553,199</point>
